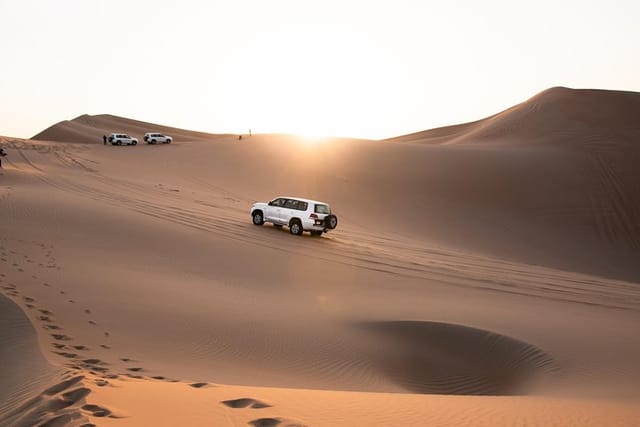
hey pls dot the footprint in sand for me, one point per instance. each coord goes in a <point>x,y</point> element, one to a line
<point>105,346</point>
<point>47,312</point>
<point>273,422</point>
<point>94,368</point>
<point>245,402</point>
<point>97,411</point>
<point>92,322</point>
<point>29,299</point>
<point>61,337</point>
<point>52,327</point>
<point>66,354</point>
<point>81,347</point>
<point>198,385</point>
<point>55,389</point>
<point>134,369</point>
<point>86,310</point>
<point>137,377</point>
<point>265,422</point>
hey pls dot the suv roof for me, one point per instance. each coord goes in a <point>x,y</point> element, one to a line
<point>302,200</point>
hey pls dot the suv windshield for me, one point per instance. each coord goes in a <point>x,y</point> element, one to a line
<point>322,209</point>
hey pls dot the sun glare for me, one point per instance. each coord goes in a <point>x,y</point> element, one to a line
<point>312,87</point>
<point>311,141</point>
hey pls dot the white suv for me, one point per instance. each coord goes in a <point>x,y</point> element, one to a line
<point>298,214</point>
<point>154,138</point>
<point>122,138</point>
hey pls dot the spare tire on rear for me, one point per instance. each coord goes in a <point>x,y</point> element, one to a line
<point>331,222</point>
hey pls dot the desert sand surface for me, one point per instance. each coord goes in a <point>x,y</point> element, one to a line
<point>480,274</point>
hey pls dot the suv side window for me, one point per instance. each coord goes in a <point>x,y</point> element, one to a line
<point>302,206</point>
<point>277,202</point>
<point>291,204</point>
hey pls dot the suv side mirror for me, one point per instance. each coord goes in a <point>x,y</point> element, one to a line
<point>272,203</point>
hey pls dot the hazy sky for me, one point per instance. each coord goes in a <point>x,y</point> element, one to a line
<point>344,68</point>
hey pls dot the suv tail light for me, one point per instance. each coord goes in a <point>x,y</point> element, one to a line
<point>314,216</point>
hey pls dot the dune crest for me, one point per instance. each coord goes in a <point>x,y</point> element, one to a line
<point>90,129</point>
<point>557,115</point>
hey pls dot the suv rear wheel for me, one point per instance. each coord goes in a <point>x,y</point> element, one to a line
<point>296,227</point>
<point>331,222</point>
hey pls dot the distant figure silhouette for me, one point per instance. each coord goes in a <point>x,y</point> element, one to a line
<point>240,137</point>
<point>104,139</point>
<point>249,132</point>
<point>2,154</point>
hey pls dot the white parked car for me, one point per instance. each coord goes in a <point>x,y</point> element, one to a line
<point>154,138</point>
<point>122,138</point>
<point>298,214</point>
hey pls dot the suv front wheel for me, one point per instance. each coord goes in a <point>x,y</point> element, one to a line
<point>258,219</point>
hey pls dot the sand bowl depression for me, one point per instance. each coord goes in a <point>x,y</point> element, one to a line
<point>444,358</point>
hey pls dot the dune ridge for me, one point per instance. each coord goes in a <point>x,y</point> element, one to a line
<point>33,392</point>
<point>90,129</point>
<point>552,116</point>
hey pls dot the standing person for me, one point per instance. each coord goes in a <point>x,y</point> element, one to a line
<point>2,154</point>
<point>104,139</point>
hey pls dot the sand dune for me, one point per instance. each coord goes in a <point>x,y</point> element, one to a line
<point>555,116</point>
<point>90,129</point>
<point>476,280</point>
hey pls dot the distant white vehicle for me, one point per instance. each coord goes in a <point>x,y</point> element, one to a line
<point>298,214</point>
<point>154,138</point>
<point>122,138</point>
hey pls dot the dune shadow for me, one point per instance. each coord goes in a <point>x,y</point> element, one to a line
<point>444,358</point>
